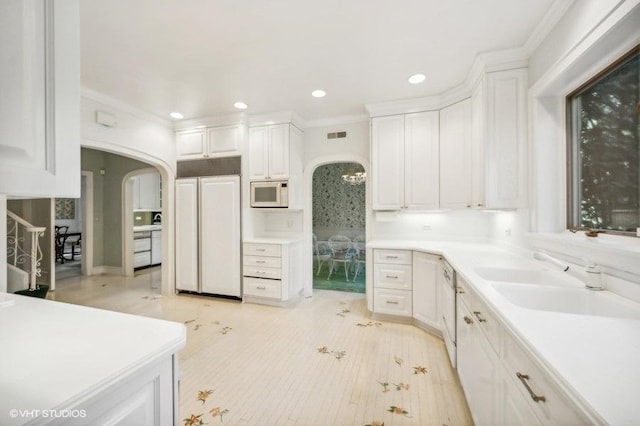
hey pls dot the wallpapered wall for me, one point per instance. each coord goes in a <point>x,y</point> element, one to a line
<point>337,207</point>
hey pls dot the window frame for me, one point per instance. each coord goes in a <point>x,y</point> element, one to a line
<point>572,150</point>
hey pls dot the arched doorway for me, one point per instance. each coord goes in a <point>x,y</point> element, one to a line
<point>339,227</point>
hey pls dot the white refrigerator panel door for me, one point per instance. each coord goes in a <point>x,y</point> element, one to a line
<point>187,234</point>
<point>220,235</point>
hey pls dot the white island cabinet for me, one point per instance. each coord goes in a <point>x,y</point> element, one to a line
<point>73,365</point>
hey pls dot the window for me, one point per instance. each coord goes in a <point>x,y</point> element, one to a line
<point>604,149</point>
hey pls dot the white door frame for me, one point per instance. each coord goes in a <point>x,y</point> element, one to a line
<point>307,218</point>
<point>86,265</point>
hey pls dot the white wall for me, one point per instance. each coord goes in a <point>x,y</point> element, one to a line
<point>142,137</point>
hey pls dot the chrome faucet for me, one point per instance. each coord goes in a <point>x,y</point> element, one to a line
<point>157,218</point>
<point>593,273</point>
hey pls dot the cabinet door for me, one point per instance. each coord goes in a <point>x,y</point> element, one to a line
<point>223,140</point>
<point>190,144</point>
<point>149,191</point>
<point>505,136</point>
<point>156,247</point>
<point>387,162</point>
<point>516,409</point>
<point>455,155</point>
<point>136,192</point>
<point>187,234</point>
<point>478,118</point>
<point>478,368</point>
<point>425,293</point>
<point>40,98</point>
<point>422,160</point>
<point>220,235</point>
<point>258,152</point>
<point>278,152</point>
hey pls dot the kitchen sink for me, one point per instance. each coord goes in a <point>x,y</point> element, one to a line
<point>517,275</point>
<point>578,300</point>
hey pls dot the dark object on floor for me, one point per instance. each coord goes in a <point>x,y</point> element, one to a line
<point>40,291</point>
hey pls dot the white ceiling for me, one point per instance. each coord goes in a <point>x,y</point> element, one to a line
<point>200,56</point>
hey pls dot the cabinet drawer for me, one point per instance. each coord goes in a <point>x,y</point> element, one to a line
<point>262,272</point>
<point>485,319</point>
<point>141,259</point>
<point>392,302</point>
<point>557,408</point>
<point>272,250</point>
<point>271,289</point>
<point>392,276</point>
<point>399,257</point>
<point>142,244</point>
<point>262,261</point>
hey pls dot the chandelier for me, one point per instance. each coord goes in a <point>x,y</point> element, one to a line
<point>355,178</point>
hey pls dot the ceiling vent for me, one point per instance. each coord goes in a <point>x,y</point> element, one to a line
<point>337,135</point>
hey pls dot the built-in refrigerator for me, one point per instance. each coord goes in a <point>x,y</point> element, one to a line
<point>208,235</point>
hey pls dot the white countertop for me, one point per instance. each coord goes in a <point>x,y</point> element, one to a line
<point>595,357</point>
<point>53,354</point>
<point>147,228</point>
<point>275,240</point>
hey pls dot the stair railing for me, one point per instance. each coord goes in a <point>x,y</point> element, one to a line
<point>23,246</point>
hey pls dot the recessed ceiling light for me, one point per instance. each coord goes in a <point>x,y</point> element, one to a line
<point>417,78</point>
<point>319,93</point>
<point>176,115</point>
<point>241,105</point>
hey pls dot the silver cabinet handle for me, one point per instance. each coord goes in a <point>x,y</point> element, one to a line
<point>261,287</point>
<point>392,257</point>
<point>261,261</point>
<point>261,249</point>
<point>477,314</point>
<point>392,302</point>
<point>395,277</point>
<point>460,290</point>
<point>523,378</point>
<point>468,320</point>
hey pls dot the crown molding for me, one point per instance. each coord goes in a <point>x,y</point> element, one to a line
<point>547,24</point>
<point>338,121</point>
<point>214,121</point>
<point>120,106</point>
<point>277,118</point>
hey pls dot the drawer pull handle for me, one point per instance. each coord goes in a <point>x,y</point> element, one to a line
<point>261,272</point>
<point>460,290</point>
<point>261,261</point>
<point>477,314</point>
<point>395,277</point>
<point>392,302</point>
<point>523,378</point>
<point>468,320</point>
<point>392,257</point>
<point>261,249</point>
<point>260,287</point>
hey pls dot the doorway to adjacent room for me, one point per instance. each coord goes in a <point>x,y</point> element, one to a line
<point>339,218</point>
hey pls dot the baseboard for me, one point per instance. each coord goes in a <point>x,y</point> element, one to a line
<point>410,321</point>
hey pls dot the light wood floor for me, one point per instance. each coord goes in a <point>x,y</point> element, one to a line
<point>324,362</point>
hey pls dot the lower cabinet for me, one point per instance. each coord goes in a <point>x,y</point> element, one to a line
<point>503,383</point>
<point>271,272</point>
<point>425,291</point>
<point>392,282</point>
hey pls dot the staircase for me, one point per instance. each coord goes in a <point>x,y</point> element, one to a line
<point>24,257</point>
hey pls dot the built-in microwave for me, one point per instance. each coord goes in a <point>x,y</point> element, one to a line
<point>273,194</point>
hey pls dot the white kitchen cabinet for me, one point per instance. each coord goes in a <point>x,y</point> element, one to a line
<point>40,102</point>
<point>425,289</point>
<point>392,282</point>
<point>405,161</point>
<point>274,152</point>
<point>156,247</point>
<point>147,192</point>
<point>499,123</point>
<point>208,235</point>
<point>478,363</point>
<point>455,155</point>
<point>271,271</point>
<point>218,141</point>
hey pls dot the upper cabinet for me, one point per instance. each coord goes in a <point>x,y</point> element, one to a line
<point>455,156</point>
<point>275,152</point>
<point>147,192</point>
<point>499,103</point>
<point>209,142</point>
<point>40,102</point>
<point>405,161</point>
